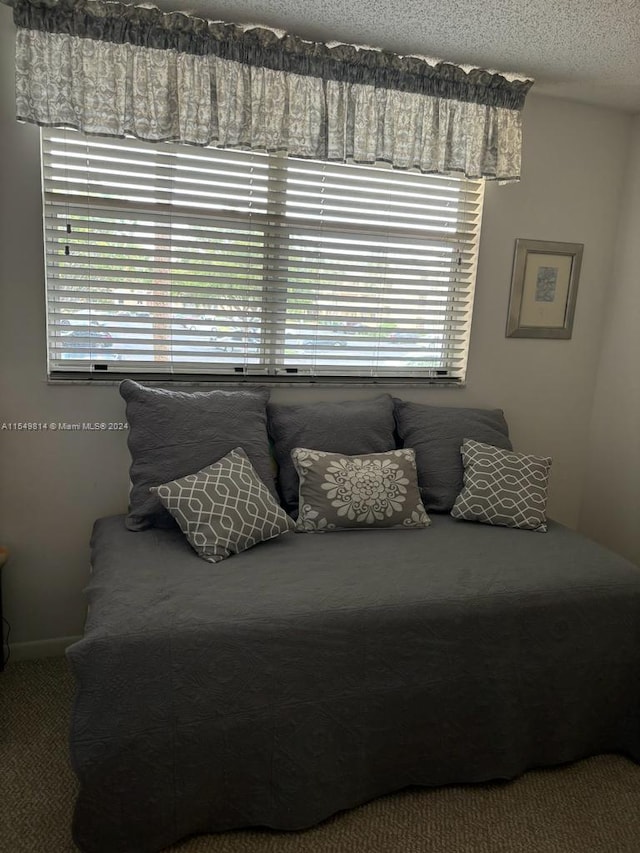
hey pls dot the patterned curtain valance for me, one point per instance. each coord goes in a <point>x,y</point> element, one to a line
<point>113,69</point>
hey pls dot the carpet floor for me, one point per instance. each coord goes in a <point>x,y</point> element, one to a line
<point>592,806</point>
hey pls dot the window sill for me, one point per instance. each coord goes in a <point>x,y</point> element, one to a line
<point>276,381</point>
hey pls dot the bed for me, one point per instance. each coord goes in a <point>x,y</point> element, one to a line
<point>313,673</point>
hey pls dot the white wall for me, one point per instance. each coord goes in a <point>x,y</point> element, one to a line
<point>54,485</point>
<point>573,168</point>
<point>611,508</point>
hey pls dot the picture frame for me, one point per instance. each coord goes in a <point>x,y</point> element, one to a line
<point>544,289</point>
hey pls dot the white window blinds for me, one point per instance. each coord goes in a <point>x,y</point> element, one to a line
<point>169,259</point>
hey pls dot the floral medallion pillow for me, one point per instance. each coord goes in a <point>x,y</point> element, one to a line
<point>367,491</point>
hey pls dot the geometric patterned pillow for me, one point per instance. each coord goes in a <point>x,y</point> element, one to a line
<point>224,508</point>
<point>503,487</point>
<point>366,491</point>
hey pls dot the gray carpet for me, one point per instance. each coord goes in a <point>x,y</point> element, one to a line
<point>587,807</point>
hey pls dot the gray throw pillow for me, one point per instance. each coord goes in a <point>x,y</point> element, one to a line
<point>503,487</point>
<point>225,508</point>
<point>173,433</point>
<point>436,434</point>
<point>367,491</point>
<point>355,426</point>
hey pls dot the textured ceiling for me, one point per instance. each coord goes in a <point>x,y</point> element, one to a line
<point>587,50</point>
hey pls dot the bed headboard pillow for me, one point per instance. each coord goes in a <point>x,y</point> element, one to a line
<point>351,427</point>
<point>436,434</point>
<point>225,508</point>
<point>174,433</point>
<point>365,492</point>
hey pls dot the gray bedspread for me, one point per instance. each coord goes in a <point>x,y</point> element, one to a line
<point>315,672</point>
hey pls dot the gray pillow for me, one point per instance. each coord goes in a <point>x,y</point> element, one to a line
<point>173,433</point>
<point>367,491</point>
<point>225,508</point>
<point>355,426</point>
<point>436,434</point>
<point>503,487</point>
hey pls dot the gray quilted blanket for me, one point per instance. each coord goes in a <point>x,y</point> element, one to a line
<point>315,672</point>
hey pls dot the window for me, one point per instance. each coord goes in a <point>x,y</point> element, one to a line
<point>167,259</point>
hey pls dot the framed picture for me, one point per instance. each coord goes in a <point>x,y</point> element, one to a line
<point>544,287</point>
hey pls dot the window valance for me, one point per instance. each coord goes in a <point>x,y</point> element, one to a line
<point>113,69</point>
